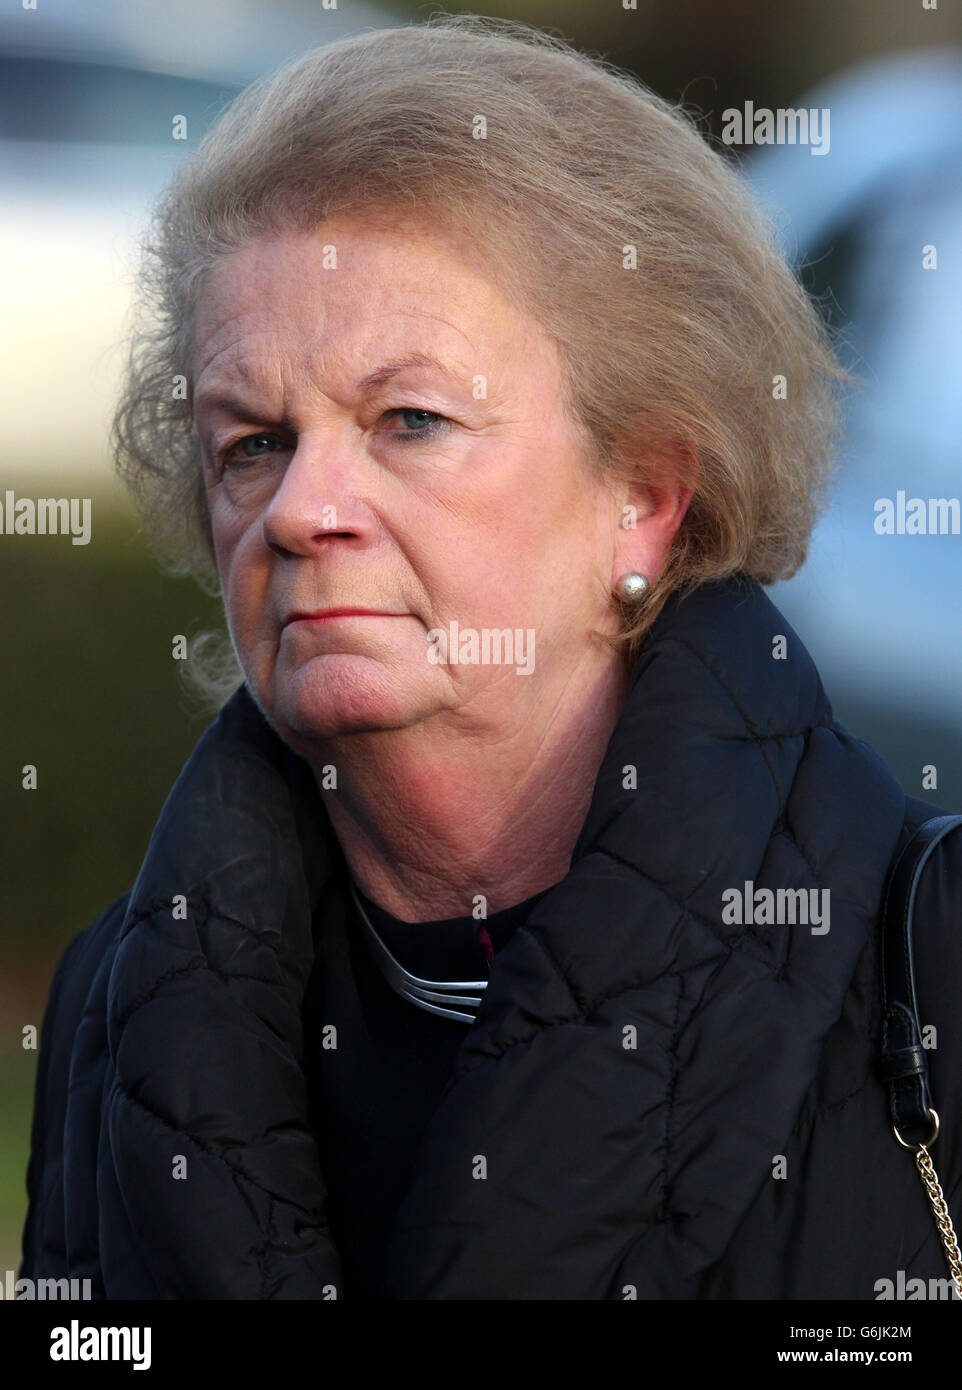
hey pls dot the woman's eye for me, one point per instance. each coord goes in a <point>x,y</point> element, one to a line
<point>421,424</point>
<point>247,450</point>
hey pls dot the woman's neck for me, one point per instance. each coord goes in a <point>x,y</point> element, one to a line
<point>431,818</point>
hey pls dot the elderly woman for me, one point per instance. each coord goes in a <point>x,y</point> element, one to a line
<point>513,930</point>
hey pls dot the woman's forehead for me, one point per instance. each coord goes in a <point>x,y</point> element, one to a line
<point>360,300</point>
<point>358,252</point>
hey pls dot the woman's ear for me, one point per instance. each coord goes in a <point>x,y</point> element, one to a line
<point>651,513</point>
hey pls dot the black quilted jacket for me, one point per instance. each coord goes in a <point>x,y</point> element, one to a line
<point>670,1103</point>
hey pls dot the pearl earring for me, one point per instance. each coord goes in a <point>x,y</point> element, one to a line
<point>631,588</point>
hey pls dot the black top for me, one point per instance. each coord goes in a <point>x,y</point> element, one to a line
<point>376,1089</point>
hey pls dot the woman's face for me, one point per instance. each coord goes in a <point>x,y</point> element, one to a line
<point>385,447</point>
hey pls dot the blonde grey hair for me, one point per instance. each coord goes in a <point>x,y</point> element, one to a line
<point>601,209</point>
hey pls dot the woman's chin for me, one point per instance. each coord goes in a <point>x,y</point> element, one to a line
<point>345,694</point>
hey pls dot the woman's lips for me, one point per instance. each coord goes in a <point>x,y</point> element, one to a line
<point>324,614</point>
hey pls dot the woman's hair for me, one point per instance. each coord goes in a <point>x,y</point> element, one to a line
<point>688,346</point>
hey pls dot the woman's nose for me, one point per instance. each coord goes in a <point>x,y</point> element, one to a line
<point>317,499</point>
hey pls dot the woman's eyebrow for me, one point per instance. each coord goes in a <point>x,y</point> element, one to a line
<point>391,369</point>
<point>215,398</point>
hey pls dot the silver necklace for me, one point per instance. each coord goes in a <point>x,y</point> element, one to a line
<point>435,996</point>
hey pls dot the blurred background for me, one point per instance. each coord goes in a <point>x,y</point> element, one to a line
<point>91,695</point>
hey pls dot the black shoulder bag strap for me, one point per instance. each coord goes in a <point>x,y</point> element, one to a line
<point>902,1062</point>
